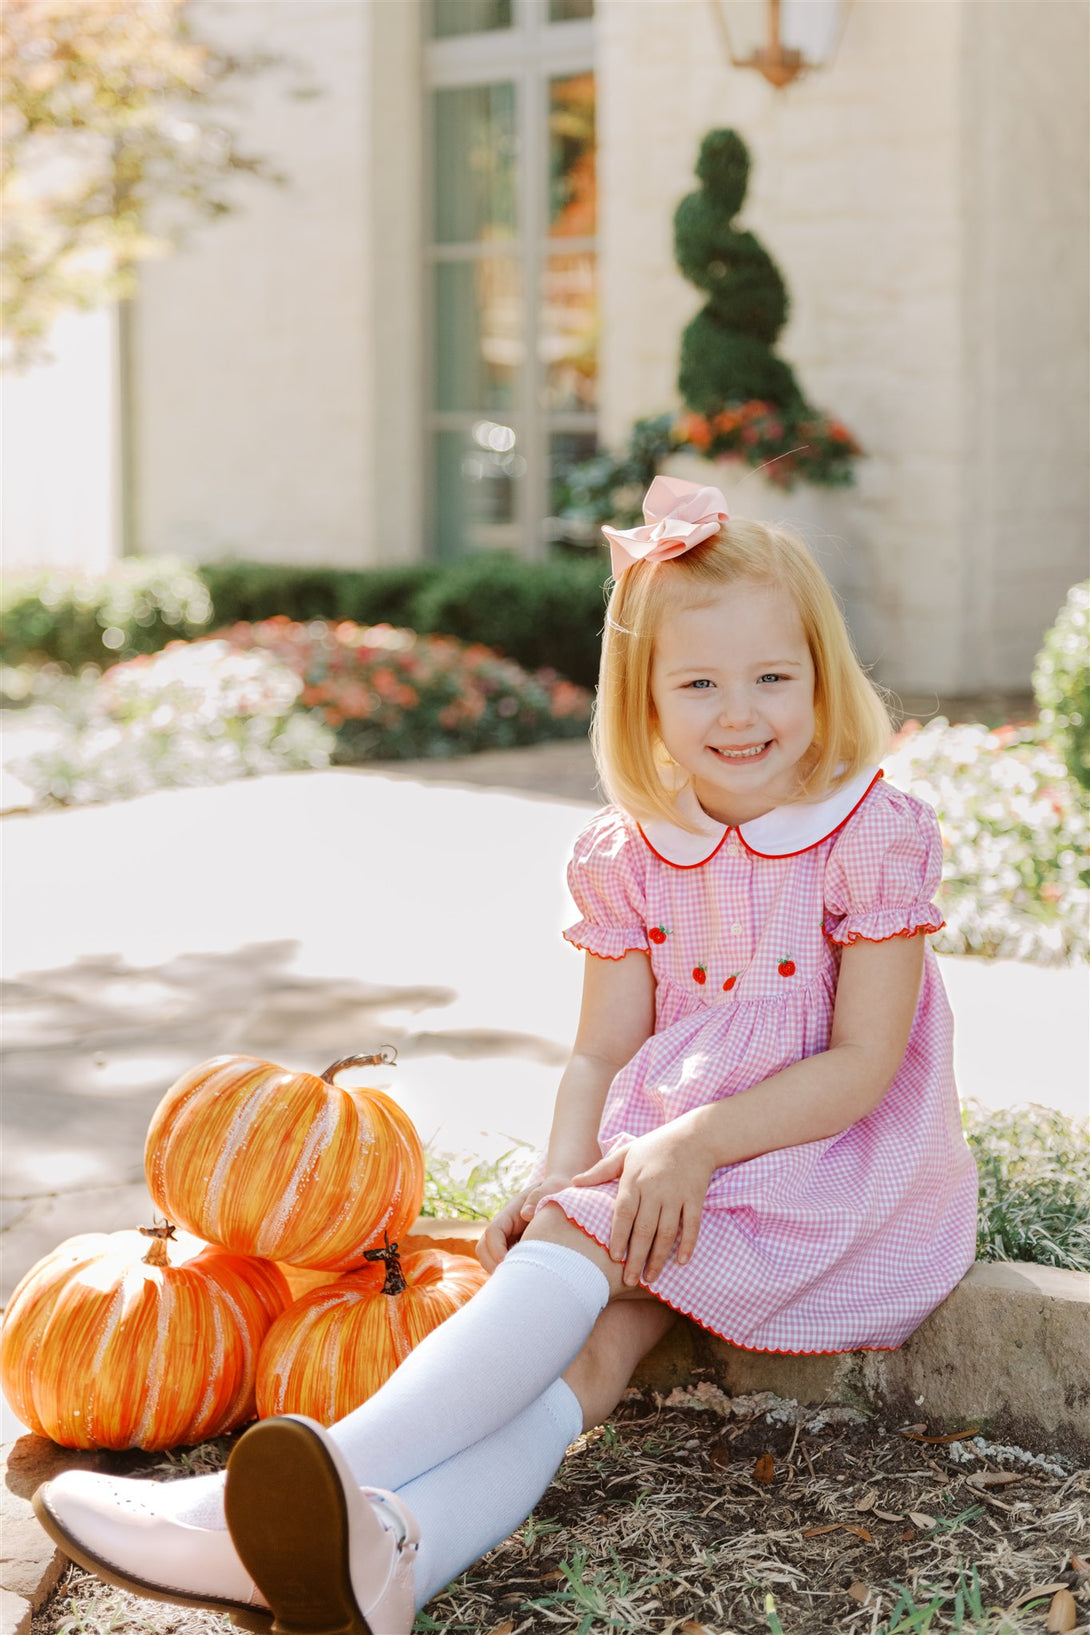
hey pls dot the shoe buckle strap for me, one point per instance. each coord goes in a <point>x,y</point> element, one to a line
<point>396,1516</point>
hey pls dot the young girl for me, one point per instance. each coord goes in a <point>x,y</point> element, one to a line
<point>758,1126</point>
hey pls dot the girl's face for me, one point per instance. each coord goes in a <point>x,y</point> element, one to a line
<point>732,683</point>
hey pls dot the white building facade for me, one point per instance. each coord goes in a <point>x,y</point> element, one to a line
<point>468,279</point>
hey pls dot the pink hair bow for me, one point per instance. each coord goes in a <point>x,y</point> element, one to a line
<point>677,516</point>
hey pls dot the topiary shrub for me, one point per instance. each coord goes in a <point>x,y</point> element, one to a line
<point>74,619</point>
<point>726,351</point>
<point>1061,683</point>
<point>547,615</point>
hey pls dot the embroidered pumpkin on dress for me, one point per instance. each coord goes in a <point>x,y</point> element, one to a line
<point>287,1166</point>
<point>334,1347</point>
<point>110,1343</point>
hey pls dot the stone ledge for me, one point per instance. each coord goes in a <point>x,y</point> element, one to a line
<point>1008,1351</point>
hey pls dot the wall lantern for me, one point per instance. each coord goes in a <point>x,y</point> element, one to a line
<point>780,38</point>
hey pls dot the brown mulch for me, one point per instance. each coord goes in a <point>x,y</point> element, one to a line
<point>681,1517</point>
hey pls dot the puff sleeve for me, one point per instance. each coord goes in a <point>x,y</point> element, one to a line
<point>606,883</point>
<point>884,870</point>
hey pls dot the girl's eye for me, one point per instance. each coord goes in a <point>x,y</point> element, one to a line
<point>704,682</point>
<point>771,676</point>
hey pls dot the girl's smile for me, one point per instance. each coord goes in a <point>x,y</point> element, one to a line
<point>733,689</point>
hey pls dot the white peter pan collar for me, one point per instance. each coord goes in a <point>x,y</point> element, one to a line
<point>783,832</point>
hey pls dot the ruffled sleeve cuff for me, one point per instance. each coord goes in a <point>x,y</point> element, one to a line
<point>607,942</point>
<point>879,925</point>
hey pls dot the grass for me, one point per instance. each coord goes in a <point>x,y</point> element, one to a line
<point>475,1193</point>
<point>1034,1167</point>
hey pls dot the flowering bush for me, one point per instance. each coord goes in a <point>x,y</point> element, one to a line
<point>196,713</point>
<point>789,447</point>
<point>1015,879</point>
<point>391,694</point>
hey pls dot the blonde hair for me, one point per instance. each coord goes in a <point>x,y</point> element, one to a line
<point>852,725</point>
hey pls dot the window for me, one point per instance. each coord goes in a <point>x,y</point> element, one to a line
<point>511,234</point>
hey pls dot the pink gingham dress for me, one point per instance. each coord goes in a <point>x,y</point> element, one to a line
<point>840,1243</point>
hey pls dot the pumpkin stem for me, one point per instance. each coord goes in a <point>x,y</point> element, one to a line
<point>387,1056</point>
<point>395,1278</point>
<point>160,1236</point>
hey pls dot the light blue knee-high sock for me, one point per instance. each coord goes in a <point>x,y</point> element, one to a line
<point>472,1501</point>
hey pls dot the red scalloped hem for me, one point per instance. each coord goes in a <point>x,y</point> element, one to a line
<point>633,948</point>
<point>739,1345</point>
<point>914,931</point>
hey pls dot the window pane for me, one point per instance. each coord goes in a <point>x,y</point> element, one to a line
<point>569,333</point>
<point>476,491</point>
<point>573,187</point>
<point>475,153</point>
<point>570,11</point>
<point>468,16</point>
<point>479,339</point>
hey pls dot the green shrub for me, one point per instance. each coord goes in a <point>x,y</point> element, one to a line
<point>77,619</point>
<point>545,615</point>
<point>610,487</point>
<point>266,590</point>
<point>1061,683</point>
<point>1034,1169</point>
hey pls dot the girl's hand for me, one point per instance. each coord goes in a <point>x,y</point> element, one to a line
<point>504,1229</point>
<point>663,1179</point>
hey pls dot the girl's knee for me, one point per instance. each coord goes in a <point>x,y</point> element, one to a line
<point>551,1225</point>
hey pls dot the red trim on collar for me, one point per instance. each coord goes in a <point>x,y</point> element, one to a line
<point>770,855</point>
<point>699,864</point>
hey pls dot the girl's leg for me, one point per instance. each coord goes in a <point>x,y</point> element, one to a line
<point>328,1555</point>
<point>467,1505</point>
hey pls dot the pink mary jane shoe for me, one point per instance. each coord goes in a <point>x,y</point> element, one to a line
<point>109,1524</point>
<point>329,1557</point>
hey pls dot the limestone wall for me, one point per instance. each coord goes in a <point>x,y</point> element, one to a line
<point>274,369</point>
<point>925,197</point>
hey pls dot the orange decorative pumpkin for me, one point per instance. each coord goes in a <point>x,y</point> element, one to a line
<point>108,1343</point>
<point>332,1349</point>
<point>284,1165</point>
